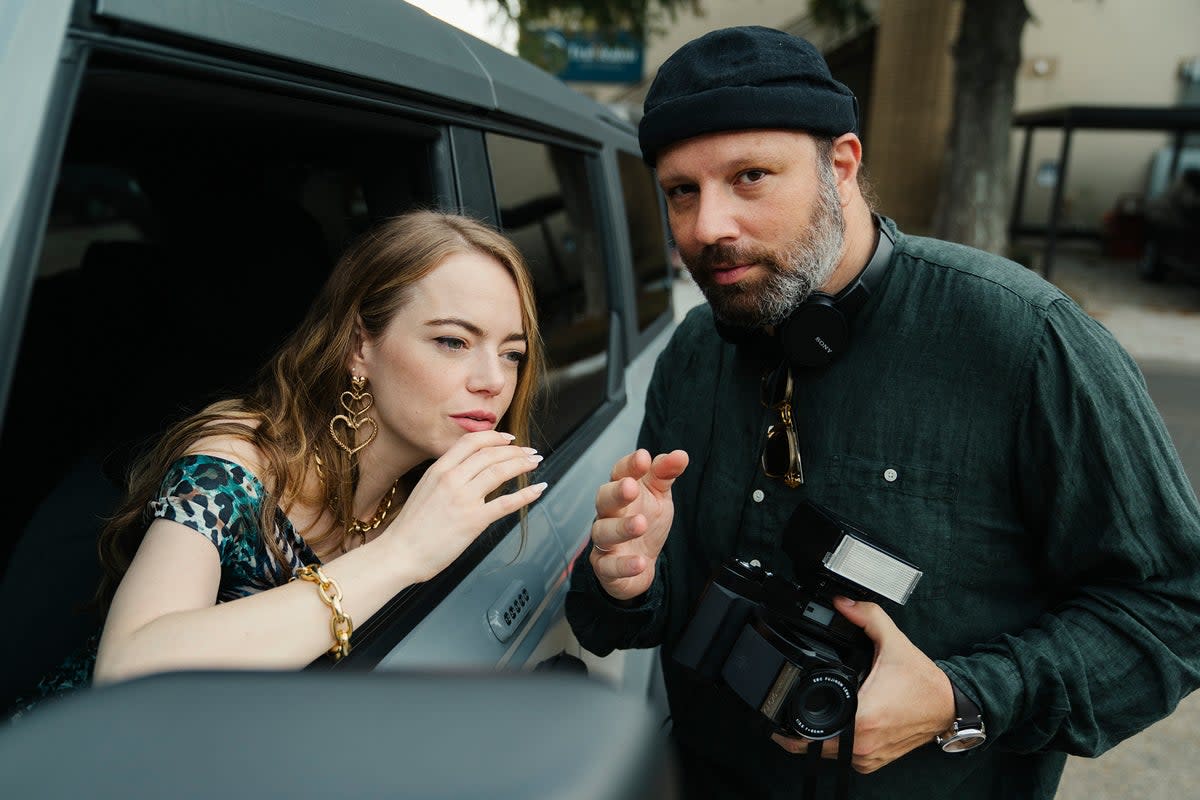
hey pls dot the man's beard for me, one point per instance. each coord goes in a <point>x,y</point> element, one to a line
<point>791,275</point>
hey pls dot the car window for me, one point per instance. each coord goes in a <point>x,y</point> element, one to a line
<point>546,207</point>
<point>191,225</point>
<point>643,220</point>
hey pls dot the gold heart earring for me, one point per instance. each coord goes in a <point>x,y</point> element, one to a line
<point>356,400</point>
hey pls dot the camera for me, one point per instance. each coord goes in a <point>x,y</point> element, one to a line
<point>778,643</point>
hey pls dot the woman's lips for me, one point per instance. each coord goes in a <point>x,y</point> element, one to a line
<point>472,421</point>
<point>727,275</point>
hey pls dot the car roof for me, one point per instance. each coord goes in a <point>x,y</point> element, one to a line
<point>381,40</point>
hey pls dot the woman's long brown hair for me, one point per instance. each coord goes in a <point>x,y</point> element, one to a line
<point>286,415</point>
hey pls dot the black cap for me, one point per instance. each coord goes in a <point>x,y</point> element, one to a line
<point>740,79</point>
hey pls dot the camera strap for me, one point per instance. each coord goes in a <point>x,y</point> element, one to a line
<point>812,766</point>
<point>845,754</point>
<point>812,763</point>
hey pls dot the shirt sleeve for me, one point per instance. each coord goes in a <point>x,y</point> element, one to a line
<point>1101,486</point>
<point>218,499</point>
<point>599,622</point>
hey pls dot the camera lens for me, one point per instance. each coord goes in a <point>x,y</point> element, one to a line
<point>821,706</point>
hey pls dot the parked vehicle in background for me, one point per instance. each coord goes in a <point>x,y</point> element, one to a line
<point>1172,227</point>
<point>178,179</point>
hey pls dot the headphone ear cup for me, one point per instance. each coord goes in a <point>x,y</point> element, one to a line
<point>815,333</point>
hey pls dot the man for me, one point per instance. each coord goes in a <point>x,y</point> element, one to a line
<point>976,423</point>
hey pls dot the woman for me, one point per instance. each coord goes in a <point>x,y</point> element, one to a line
<point>422,345</point>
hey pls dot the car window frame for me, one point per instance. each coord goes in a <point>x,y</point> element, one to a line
<point>455,190</point>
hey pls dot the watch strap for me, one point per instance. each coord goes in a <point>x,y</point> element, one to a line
<point>965,710</point>
<point>967,731</point>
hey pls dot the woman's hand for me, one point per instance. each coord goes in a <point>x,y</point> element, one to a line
<point>448,508</point>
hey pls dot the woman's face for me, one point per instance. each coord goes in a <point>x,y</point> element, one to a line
<point>447,362</point>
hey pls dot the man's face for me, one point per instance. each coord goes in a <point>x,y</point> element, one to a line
<point>757,219</point>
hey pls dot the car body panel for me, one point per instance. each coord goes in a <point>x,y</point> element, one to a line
<point>31,45</point>
<point>381,40</point>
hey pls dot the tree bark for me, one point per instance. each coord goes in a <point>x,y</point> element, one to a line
<point>973,201</point>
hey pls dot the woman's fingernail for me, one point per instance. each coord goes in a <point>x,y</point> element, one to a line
<point>535,458</point>
<point>539,487</point>
<point>530,450</point>
<point>509,436</point>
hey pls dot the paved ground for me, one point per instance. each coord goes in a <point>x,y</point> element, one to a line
<point>1159,324</point>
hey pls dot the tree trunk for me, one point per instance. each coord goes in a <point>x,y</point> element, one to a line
<point>973,202</point>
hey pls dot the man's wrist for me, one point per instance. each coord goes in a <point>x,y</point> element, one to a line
<point>637,601</point>
<point>967,731</point>
<point>631,602</point>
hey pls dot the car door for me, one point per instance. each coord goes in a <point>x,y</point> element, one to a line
<point>185,196</point>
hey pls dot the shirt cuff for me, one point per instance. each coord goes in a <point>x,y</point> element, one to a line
<point>992,683</point>
<point>648,601</point>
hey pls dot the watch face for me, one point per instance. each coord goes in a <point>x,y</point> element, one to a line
<point>964,740</point>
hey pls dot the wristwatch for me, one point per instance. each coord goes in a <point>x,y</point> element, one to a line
<point>967,730</point>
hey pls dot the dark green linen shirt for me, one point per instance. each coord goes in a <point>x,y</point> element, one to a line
<point>985,428</point>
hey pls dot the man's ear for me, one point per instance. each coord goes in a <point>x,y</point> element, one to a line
<point>847,158</point>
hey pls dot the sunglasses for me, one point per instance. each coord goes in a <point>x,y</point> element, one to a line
<point>781,451</point>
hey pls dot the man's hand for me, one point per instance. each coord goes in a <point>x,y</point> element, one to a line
<point>633,516</point>
<point>904,703</point>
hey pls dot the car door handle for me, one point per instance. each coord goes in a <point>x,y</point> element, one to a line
<point>510,610</point>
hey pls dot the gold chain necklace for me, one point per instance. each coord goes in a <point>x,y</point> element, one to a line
<point>385,505</point>
<point>358,527</point>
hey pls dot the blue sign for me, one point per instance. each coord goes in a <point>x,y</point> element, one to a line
<point>613,57</point>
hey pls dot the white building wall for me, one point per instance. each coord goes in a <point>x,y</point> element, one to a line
<point>1101,52</point>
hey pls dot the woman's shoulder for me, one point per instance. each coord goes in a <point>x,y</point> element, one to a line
<point>218,497</point>
<point>223,462</point>
<point>232,448</point>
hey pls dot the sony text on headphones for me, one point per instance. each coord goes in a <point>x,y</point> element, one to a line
<point>818,330</point>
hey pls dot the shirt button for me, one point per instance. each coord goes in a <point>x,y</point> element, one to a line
<point>890,475</point>
<point>758,495</point>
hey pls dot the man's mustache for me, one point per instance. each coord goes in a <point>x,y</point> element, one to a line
<point>714,256</point>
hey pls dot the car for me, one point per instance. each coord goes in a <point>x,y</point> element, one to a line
<point>179,179</point>
<point>1172,219</point>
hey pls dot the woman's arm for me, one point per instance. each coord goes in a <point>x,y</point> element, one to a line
<point>164,615</point>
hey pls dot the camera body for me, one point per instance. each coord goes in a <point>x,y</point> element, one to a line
<point>779,644</point>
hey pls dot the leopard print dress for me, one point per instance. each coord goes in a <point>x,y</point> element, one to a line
<point>220,500</point>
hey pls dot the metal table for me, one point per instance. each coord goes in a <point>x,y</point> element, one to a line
<point>1178,120</point>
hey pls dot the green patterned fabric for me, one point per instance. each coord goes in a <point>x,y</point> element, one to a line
<point>221,501</point>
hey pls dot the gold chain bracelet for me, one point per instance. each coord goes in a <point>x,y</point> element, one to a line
<point>331,595</point>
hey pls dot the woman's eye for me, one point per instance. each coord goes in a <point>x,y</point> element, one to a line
<point>450,342</point>
<point>515,357</point>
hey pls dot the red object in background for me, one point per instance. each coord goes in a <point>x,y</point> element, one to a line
<point>1124,228</point>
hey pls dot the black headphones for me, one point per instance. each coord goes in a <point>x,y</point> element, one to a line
<point>818,330</point>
